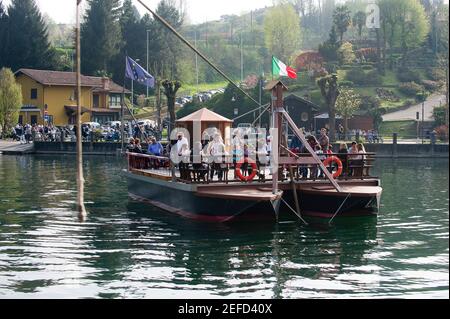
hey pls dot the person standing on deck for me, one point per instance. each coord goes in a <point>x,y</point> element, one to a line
<point>181,141</point>
<point>324,141</point>
<point>216,149</point>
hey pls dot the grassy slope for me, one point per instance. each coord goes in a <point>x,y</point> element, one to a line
<point>405,129</point>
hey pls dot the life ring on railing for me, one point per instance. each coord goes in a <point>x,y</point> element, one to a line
<point>239,172</point>
<point>338,162</point>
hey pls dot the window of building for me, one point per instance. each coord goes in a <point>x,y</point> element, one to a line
<point>34,94</point>
<point>305,117</point>
<point>96,101</point>
<point>21,119</point>
<point>114,100</point>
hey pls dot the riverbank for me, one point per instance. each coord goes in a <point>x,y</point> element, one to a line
<point>112,149</point>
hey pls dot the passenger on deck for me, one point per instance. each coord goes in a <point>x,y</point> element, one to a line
<point>217,151</point>
<point>181,141</point>
<point>342,155</point>
<point>324,141</point>
<point>137,146</point>
<point>131,145</point>
<point>155,148</point>
<point>316,171</point>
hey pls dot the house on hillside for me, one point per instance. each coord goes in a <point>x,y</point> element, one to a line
<point>49,97</point>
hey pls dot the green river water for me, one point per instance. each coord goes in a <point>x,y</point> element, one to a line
<point>131,250</point>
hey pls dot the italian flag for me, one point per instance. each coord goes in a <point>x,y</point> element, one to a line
<point>280,69</point>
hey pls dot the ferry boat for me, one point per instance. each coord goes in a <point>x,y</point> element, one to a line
<point>187,190</point>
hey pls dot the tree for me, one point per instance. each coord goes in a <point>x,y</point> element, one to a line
<point>168,48</point>
<point>330,91</point>
<point>170,91</point>
<point>282,31</point>
<point>347,104</point>
<point>10,100</point>
<point>100,35</point>
<point>3,34</point>
<point>31,47</point>
<point>342,20</point>
<point>404,23</point>
<point>346,54</point>
<point>359,20</point>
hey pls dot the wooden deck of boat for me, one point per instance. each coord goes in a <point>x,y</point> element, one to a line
<point>239,193</point>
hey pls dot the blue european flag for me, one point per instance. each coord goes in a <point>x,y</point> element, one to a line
<point>137,73</point>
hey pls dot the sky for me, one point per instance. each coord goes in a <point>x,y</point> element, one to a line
<point>63,11</point>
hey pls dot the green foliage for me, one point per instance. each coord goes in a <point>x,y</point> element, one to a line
<point>404,23</point>
<point>411,89</point>
<point>367,67</point>
<point>436,74</point>
<point>26,38</point>
<point>431,86</point>
<point>329,49</point>
<point>359,20</point>
<point>359,77</point>
<point>342,20</point>
<point>10,100</point>
<point>346,83</point>
<point>346,54</point>
<point>3,34</point>
<point>100,36</point>
<point>408,75</point>
<point>347,104</point>
<point>282,31</point>
<point>439,115</point>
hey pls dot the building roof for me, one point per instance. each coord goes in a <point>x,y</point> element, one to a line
<point>272,84</point>
<point>204,115</point>
<point>302,100</point>
<point>54,78</point>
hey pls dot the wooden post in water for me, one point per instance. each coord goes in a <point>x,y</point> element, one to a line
<point>80,179</point>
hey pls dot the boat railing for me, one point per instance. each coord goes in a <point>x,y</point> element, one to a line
<point>354,167</point>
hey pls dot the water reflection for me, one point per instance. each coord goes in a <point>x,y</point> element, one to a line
<point>130,249</point>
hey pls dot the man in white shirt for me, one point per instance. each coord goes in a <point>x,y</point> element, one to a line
<point>181,141</point>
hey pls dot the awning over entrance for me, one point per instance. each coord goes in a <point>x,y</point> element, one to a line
<point>72,110</point>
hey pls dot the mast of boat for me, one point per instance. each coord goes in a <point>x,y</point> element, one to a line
<point>80,178</point>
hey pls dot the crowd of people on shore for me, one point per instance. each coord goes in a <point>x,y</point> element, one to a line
<point>28,133</point>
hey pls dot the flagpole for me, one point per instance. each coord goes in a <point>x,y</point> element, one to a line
<point>80,179</point>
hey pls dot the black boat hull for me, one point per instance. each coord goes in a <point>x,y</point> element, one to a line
<point>182,200</point>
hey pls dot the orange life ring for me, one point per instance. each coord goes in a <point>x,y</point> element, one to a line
<point>239,172</point>
<point>338,162</point>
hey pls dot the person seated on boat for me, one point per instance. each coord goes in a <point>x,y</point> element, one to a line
<point>155,148</point>
<point>342,155</point>
<point>131,145</point>
<point>296,145</point>
<point>199,166</point>
<point>137,146</point>
<point>352,158</point>
<point>358,162</point>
